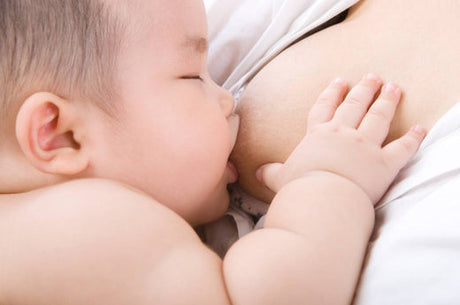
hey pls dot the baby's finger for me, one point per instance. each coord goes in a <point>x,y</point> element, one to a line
<point>352,110</point>
<point>267,175</point>
<point>376,122</point>
<point>400,151</point>
<point>323,109</point>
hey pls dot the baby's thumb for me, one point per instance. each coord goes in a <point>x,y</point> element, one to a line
<point>268,174</point>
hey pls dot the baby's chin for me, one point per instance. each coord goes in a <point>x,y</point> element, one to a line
<point>211,210</point>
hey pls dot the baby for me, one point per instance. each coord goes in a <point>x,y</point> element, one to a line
<point>116,144</point>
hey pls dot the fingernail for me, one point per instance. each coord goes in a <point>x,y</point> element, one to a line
<point>339,81</point>
<point>391,87</point>
<point>419,130</point>
<point>373,77</point>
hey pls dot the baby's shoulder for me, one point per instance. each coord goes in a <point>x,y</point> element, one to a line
<point>81,231</point>
<point>85,196</point>
<point>88,206</point>
<point>86,200</point>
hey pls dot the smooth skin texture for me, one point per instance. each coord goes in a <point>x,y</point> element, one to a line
<point>174,136</point>
<point>413,43</point>
<point>321,192</point>
<point>108,217</point>
<point>111,244</point>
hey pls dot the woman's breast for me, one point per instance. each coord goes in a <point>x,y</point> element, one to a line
<point>411,47</point>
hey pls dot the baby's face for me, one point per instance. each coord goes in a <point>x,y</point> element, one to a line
<point>176,132</point>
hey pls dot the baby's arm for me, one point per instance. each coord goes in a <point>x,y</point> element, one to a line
<point>96,242</point>
<point>318,226</point>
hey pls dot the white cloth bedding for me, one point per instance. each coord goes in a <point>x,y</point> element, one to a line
<point>414,254</point>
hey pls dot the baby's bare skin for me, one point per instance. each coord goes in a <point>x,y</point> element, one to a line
<point>97,241</point>
<point>413,43</point>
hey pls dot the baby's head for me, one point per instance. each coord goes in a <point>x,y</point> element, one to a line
<point>115,89</point>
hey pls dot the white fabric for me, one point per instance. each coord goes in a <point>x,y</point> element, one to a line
<point>245,34</point>
<point>414,255</point>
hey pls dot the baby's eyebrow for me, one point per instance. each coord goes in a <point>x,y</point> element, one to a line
<point>196,43</point>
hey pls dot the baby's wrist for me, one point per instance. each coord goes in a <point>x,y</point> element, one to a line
<point>320,174</point>
<point>327,195</point>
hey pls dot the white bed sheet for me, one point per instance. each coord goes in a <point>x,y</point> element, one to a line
<point>414,254</point>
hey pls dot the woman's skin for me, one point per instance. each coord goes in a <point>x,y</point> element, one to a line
<point>414,43</point>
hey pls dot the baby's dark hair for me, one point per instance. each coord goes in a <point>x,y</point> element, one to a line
<point>67,47</point>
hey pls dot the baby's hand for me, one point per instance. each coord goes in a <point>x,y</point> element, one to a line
<point>345,138</point>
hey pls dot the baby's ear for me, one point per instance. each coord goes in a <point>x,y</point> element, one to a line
<point>48,130</point>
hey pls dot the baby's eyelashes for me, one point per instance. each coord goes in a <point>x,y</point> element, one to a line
<point>193,77</point>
